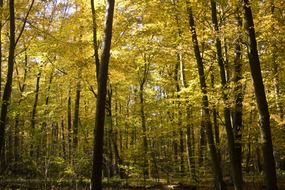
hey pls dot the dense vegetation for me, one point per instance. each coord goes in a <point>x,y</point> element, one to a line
<point>194,93</point>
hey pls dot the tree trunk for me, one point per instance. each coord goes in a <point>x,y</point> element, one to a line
<point>275,69</point>
<point>34,112</point>
<point>238,94</point>
<point>8,86</point>
<point>54,138</point>
<point>63,140</point>
<point>205,105</point>
<point>1,18</point>
<point>190,152</point>
<point>22,87</point>
<point>110,134</point>
<point>69,127</point>
<point>143,125</point>
<point>266,141</point>
<point>76,113</point>
<point>95,43</point>
<point>179,66</point>
<point>236,175</point>
<point>44,129</point>
<point>118,160</point>
<point>202,140</point>
<point>96,179</point>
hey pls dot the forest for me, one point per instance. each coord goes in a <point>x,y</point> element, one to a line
<point>144,94</point>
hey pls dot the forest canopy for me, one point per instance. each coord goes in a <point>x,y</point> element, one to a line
<point>193,92</point>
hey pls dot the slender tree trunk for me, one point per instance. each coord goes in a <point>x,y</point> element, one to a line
<point>236,175</point>
<point>215,119</point>
<point>110,133</point>
<point>95,43</point>
<point>8,86</point>
<point>190,152</point>
<point>69,127</point>
<point>63,139</point>
<point>143,125</point>
<point>34,113</point>
<point>205,105</point>
<point>44,129</point>
<point>96,179</point>
<point>275,68</point>
<point>238,94</point>
<point>76,113</point>
<point>54,138</point>
<point>276,83</point>
<point>9,79</point>
<point>1,18</point>
<point>22,87</point>
<point>266,140</point>
<point>118,160</point>
<point>202,140</point>
<point>180,145</point>
<point>248,155</point>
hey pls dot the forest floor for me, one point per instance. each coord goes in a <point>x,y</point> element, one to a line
<point>33,184</point>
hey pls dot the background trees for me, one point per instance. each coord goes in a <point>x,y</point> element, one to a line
<point>155,117</point>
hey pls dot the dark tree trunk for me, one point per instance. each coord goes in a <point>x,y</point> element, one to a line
<point>1,18</point>
<point>69,127</point>
<point>236,175</point>
<point>44,130</point>
<point>276,68</point>
<point>143,125</point>
<point>110,134</point>
<point>96,179</point>
<point>266,141</point>
<point>54,138</point>
<point>179,66</point>
<point>217,132</point>
<point>76,114</point>
<point>143,76</point>
<point>118,160</point>
<point>181,150</point>
<point>238,94</point>
<point>8,86</point>
<point>202,140</point>
<point>34,113</point>
<point>22,87</point>
<point>63,140</point>
<point>215,119</point>
<point>11,58</point>
<point>95,43</point>
<point>205,105</point>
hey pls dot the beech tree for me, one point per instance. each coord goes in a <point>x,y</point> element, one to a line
<point>205,104</point>
<point>179,106</point>
<point>266,142</point>
<point>96,179</point>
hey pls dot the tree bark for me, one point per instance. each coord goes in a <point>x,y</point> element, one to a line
<point>8,86</point>
<point>69,127</point>
<point>143,125</point>
<point>76,113</point>
<point>236,175</point>
<point>215,119</point>
<point>96,179</point>
<point>262,105</point>
<point>95,43</point>
<point>202,140</point>
<point>238,94</point>
<point>63,139</point>
<point>275,69</point>
<point>22,87</point>
<point>1,18</point>
<point>34,112</point>
<point>205,104</point>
